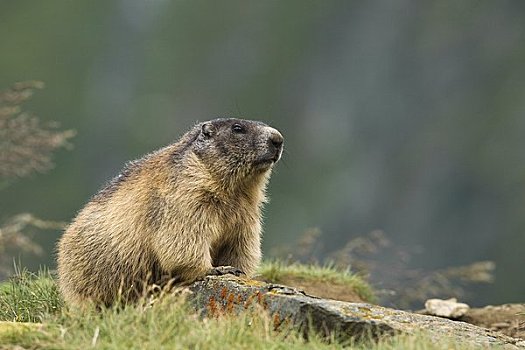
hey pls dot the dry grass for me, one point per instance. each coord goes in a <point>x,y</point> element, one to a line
<point>26,143</point>
<point>26,146</point>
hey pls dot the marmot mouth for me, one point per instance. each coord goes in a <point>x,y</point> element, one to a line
<point>277,156</point>
<point>266,161</point>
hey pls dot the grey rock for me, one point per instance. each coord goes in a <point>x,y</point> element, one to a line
<point>229,294</point>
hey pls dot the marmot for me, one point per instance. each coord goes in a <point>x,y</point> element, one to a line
<point>174,214</point>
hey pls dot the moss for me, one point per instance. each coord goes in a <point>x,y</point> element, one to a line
<point>10,331</point>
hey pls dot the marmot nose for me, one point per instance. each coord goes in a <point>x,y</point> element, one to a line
<point>276,139</point>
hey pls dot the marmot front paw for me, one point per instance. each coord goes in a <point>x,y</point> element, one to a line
<point>223,270</point>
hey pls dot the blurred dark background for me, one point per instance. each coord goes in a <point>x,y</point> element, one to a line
<point>401,116</point>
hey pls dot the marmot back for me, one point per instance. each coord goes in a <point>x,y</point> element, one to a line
<point>174,214</point>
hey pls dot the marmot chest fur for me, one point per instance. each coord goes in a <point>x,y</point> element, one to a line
<point>173,214</point>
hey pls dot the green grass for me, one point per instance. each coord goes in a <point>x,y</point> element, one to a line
<point>29,297</point>
<point>169,324</point>
<point>172,325</point>
<point>279,272</point>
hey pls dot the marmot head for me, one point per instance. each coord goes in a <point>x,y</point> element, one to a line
<point>237,148</point>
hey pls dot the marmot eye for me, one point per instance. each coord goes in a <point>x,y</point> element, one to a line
<point>238,128</point>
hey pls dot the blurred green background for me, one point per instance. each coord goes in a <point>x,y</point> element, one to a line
<point>404,116</point>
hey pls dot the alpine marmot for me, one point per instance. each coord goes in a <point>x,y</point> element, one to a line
<point>173,215</point>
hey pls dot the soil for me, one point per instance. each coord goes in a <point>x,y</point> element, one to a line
<point>508,319</point>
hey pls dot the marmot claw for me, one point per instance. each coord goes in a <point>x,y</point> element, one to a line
<point>223,270</point>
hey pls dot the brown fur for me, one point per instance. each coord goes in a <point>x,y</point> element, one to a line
<point>174,214</point>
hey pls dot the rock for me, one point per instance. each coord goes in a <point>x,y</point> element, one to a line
<point>449,308</point>
<point>217,295</point>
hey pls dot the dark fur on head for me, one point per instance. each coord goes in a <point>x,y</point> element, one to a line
<point>237,147</point>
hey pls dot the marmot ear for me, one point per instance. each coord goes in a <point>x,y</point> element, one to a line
<point>208,130</point>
